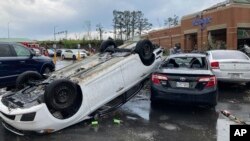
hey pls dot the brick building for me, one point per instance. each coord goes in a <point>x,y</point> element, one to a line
<point>223,26</point>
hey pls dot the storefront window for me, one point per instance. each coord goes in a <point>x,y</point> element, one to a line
<point>243,33</point>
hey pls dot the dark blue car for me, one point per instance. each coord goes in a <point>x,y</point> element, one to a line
<point>16,59</point>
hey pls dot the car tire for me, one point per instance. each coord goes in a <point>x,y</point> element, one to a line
<point>24,78</point>
<point>106,44</point>
<point>46,70</point>
<point>74,57</point>
<point>145,50</point>
<point>60,95</point>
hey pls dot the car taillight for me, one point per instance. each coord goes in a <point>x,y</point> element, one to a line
<point>156,78</point>
<point>215,65</point>
<point>211,81</point>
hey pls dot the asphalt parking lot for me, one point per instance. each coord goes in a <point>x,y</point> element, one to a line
<point>142,122</point>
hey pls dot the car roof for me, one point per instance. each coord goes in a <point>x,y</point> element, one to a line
<point>187,55</point>
<point>221,50</point>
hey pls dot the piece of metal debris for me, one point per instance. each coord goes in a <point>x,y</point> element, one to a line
<point>94,123</point>
<point>233,118</point>
<point>117,121</point>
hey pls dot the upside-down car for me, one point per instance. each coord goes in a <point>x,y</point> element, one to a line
<point>46,104</point>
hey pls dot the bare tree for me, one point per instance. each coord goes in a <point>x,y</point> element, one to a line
<point>172,21</point>
<point>143,23</point>
<point>99,29</point>
<point>87,26</point>
<point>115,22</point>
<point>175,20</point>
<point>129,23</point>
<point>133,23</point>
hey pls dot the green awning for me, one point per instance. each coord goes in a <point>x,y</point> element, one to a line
<point>17,40</point>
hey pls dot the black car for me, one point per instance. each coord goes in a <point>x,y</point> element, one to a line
<point>58,52</point>
<point>185,78</point>
<point>16,59</point>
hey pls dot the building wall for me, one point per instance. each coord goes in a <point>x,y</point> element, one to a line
<point>229,17</point>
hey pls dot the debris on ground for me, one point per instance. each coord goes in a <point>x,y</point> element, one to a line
<point>117,121</point>
<point>233,118</point>
<point>234,101</point>
<point>94,123</point>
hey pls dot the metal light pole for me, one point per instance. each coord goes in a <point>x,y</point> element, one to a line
<point>78,55</point>
<point>202,28</point>
<point>55,58</point>
<point>55,33</point>
<point>170,34</point>
<point>8,30</point>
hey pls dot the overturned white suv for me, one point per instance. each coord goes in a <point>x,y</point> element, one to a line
<point>86,89</point>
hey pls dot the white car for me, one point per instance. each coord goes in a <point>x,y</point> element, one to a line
<point>51,52</point>
<point>37,51</point>
<point>230,65</point>
<point>77,92</point>
<point>85,51</point>
<point>72,54</point>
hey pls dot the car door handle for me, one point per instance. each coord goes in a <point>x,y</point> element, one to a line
<point>22,62</point>
<point>121,88</point>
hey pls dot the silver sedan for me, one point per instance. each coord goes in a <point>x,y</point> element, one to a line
<point>230,65</point>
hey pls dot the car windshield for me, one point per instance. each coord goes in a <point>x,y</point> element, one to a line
<point>186,63</point>
<point>219,55</point>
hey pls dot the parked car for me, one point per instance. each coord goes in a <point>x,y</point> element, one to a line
<point>184,78</point>
<point>72,54</point>
<point>230,65</point>
<point>78,91</point>
<point>51,52</point>
<point>16,59</point>
<point>58,52</point>
<point>36,51</point>
<point>86,52</point>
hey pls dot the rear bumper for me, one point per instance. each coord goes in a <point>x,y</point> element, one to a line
<point>197,97</point>
<point>225,76</point>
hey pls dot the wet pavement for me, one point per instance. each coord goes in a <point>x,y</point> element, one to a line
<point>171,122</point>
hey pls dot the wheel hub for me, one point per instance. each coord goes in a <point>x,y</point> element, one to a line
<point>62,96</point>
<point>147,50</point>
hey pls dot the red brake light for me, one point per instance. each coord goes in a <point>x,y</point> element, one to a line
<point>156,78</point>
<point>211,81</point>
<point>215,65</point>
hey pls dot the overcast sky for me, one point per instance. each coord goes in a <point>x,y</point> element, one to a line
<point>35,19</point>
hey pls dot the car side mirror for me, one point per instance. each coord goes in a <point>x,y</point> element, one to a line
<point>32,54</point>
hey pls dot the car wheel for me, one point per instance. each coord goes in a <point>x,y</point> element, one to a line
<point>46,72</point>
<point>74,57</point>
<point>60,95</point>
<point>106,44</point>
<point>27,77</point>
<point>145,50</point>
